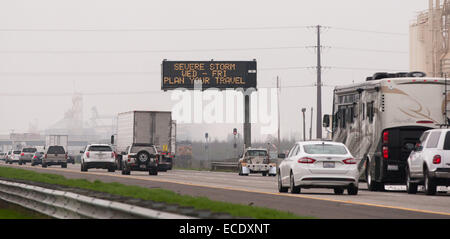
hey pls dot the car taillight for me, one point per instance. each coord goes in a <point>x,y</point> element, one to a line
<point>437,159</point>
<point>349,161</point>
<point>45,155</point>
<point>306,160</point>
<point>66,156</point>
<point>424,122</point>
<point>385,152</point>
<point>385,137</point>
<point>113,155</point>
<point>87,154</point>
<point>22,154</point>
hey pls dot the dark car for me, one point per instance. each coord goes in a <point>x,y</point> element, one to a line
<point>71,159</point>
<point>37,158</point>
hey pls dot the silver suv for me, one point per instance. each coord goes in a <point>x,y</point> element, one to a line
<point>140,157</point>
<point>429,162</point>
<point>26,155</point>
<point>55,155</point>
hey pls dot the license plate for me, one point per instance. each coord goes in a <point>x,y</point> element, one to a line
<point>142,166</point>
<point>328,164</point>
<point>392,168</point>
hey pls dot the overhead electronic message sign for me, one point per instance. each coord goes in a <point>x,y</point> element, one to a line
<point>212,74</point>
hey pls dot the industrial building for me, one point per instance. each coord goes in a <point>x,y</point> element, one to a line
<point>429,40</point>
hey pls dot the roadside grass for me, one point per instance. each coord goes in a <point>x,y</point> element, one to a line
<point>12,214</point>
<point>157,195</point>
<point>12,211</point>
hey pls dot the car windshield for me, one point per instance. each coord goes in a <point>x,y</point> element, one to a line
<point>16,152</point>
<point>137,149</point>
<point>56,150</point>
<point>257,153</point>
<point>100,148</point>
<point>29,150</point>
<point>324,149</point>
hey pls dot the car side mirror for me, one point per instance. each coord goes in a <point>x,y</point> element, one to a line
<point>326,121</point>
<point>282,156</point>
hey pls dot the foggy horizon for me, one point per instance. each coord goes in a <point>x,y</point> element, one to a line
<point>111,53</point>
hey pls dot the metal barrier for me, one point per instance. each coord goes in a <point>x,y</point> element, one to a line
<point>224,165</point>
<point>67,205</point>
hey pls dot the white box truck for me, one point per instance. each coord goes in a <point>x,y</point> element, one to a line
<point>142,137</point>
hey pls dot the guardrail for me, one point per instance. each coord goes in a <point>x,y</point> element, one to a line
<point>224,165</point>
<point>68,205</point>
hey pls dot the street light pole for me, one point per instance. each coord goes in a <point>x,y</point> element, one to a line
<point>304,125</point>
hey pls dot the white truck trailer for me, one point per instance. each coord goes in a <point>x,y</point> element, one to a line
<point>143,141</point>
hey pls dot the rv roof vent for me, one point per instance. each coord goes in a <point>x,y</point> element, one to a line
<point>384,75</point>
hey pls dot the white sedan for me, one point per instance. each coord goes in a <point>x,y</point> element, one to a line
<point>318,164</point>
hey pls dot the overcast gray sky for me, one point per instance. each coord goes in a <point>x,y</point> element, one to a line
<point>138,54</point>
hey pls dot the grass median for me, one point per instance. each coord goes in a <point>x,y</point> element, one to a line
<point>157,195</point>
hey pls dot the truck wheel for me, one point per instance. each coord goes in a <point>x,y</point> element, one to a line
<point>429,184</point>
<point>44,165</point>
<point>111,170</point>
<point>64,165</point>
<point>411,188</point>
<point>125,170</point>
<point>352,190</point>
<point>83,168</point>
<point>153,171</point>
<point>372,185</point>
<point>20,163</point>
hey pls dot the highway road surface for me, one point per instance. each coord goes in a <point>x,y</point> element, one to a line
<point>262,191</point>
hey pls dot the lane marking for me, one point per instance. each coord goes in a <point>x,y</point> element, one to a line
<point>248,190</point>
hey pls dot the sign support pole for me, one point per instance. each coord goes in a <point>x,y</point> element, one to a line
<point>247,124</point>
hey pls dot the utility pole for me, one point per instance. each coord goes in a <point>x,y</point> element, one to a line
<point>278,102</point>
<point>310,127</point>
<point>319,87</point>
<point>304,127</point>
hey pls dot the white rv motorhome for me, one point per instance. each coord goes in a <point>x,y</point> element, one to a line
<point>382,119</point>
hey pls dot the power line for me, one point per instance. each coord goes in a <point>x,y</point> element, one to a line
<point>370,50</point>
<point>150,29</point>
<point>366,69</point>
<point>368,31</point>
<point>143,51</point>
<point>158,72</point>
<point>198,29</point>
<point>115,93</point>
<point>187,50</point>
